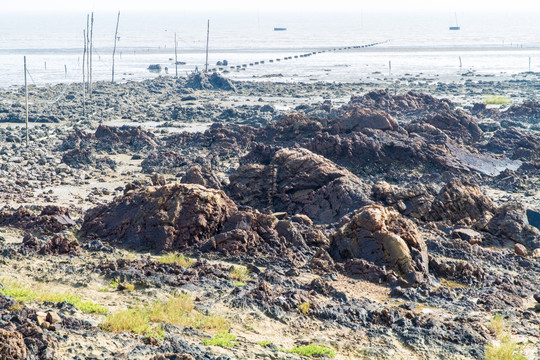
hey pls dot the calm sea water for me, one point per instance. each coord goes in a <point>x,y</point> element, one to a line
<point>418,43</point>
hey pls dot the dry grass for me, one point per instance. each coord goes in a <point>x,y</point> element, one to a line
<point>506,348</point>
<point>176,258</point>
<point>496,100</point>
<point>178,310</point>
<point>304,307</point>
<point>23,293</point>
<point>240,273</point>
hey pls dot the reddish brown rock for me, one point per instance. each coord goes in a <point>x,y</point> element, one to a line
<point>202,175</point>
<point>162,218</point>
<point>60,244</point>
<point>12,345</point>
<point>298,181</point>
<point>383,237</point>
<point>52,219</point>
<point>357,118</point>
<point>520,250</point>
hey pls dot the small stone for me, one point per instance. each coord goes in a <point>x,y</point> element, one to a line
<point>520,250</point>
<point>53,317</point>
<point>536,253</point>
<point>45,325</point>
<point>537,297</point>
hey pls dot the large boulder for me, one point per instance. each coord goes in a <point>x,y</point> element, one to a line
<point>457,124</point>
<point>298,181</point>
<point>413,201</point>
<point>202,175</point>
<point>386,239</point>
<point>162,218</point>
<point>458,202</point>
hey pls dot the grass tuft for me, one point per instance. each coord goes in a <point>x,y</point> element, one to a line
<point>264,343</point>
<point>498,325</point>
<point>496,100</point>
<point>304,307</point>
<point>223,339</point>
<point>240,273</point>
<point>312,350</point>
<point>178,310</point>
<point>175,257</point>
<point>506,348</point>
<point>22,293</point>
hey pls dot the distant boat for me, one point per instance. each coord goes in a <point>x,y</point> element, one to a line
<point>457,26</point>
<point>280,29</point>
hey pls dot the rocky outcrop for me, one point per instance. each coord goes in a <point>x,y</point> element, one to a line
<point>61,244</point>
<point>357,118</point>
<point>458,125</point>
<point>52,219</point>
<point>298,181</point>
<point>509,222</point>
<point>384,238</point>
<point>460,203</point>
<point>202,175</point>
<point>414,201</point>
<point>515,144</point>
<point>163,218</point>
<point>214,81</point>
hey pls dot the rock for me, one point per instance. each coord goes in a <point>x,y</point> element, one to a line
<point>458,202</point>
<point>520,250</point>
<point>536,253</point>
<point>383,237</point>
<point>60,244</point>
<point>357,118</point>
<point>414,201</point>
<point>157,179</point>
<point>537,297</point>
<point>469,235</point>
<point>53,317</point>
<point>298,181</point>
<point>12,346</point>
<point>52,219</point>
<point>202,175</point>
<point>163,218</point>
<point>173,357</point>
<point>459,125</point>
<point>534,218</point>
<point>510,222</point>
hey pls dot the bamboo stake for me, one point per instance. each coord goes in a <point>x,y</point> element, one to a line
<point>91,51</point>
<point>114,50</point>
<point>207,40</point>
<point>87,51</point>
<point>84,75</point>
<point>26,95</point>
<point>176,54</point>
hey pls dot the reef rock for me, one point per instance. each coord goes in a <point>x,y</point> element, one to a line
<point>383,237</point>
<point>298,181</point>
<point>357,118</point>
<point>162,218</point>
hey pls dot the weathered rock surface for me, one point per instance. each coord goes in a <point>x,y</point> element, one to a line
<point>385,238</point>
<point>162,218</point>
<point>357,118</point>
<point>202,175</point>
<point>509,222</point>
<point>298,181</point>
<point>52,219</point>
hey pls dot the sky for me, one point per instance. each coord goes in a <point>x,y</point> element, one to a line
<point>272,5</point>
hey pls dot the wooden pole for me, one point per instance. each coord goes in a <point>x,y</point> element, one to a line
<point>529,64</point>
<point>115,38</point>
<point>389,67</point>
<point>207,41</point>
<point>26,95</point>
<point>91,51</point>
<point>84,75</point>
<point>460,63</point>
<point>87,50</point>
<point>176,54</point>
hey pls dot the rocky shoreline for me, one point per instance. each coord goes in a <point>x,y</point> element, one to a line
<point>363,221</point>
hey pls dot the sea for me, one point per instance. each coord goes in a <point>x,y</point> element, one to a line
<point>411,44</point>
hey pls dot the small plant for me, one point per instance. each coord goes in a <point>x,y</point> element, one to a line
<point>506,348</point>
<point>312,350</point>
<point>22,293</point>
<point>238,283</point>
<point>498,325</point>
<point>304,307</point>
<point>264,343</point>
<point>178,310</point>
<point>176,258</point>
<point>240,273</point>
<point>223,339</point>
<point>496,100</point>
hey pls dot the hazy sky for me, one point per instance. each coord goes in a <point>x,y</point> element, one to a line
<point>277,5</point>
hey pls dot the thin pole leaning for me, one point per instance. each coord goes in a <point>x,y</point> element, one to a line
<point>26,96</point>
<point>87,51</point>
<point>207,40</point>
<point>91,51</point>
<point>115,38</point>
<point>176,54</point>
<point>84,75</point>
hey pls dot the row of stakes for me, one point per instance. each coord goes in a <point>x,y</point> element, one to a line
<point>244,66</point>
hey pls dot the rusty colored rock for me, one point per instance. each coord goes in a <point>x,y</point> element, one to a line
<point>12,345</point>
<point>385,238</point>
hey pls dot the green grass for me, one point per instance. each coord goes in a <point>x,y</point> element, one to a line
<point>240,273</point>
<point>23,293</point>
<point>223,339</point>
<point>506,348</point>
<point>178,310</point>
<point>264,343</point>
<point>495,100</point>
<point>176,258</point>
<point>304,307</point>
<point>238,283</point>
<point>312,350</point>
